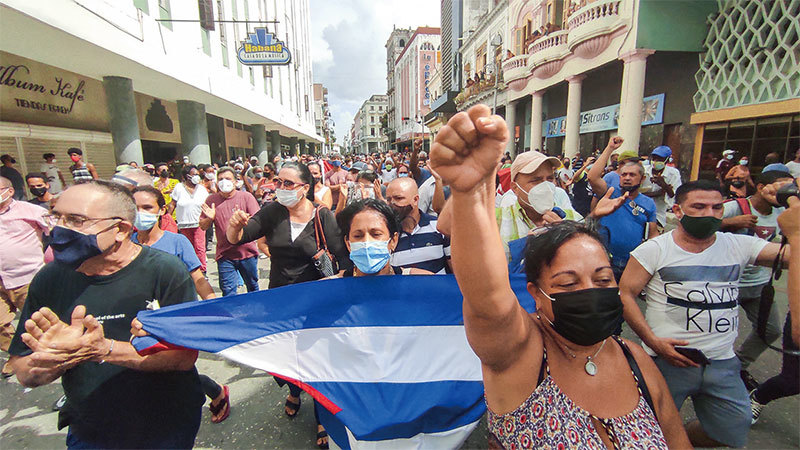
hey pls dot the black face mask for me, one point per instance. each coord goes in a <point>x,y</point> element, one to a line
<point>631,189</point>
<point>163,174</point>
<point>588,316</point>
<point>39,191</point>
<point>737,184</point>
<point>402,211</point>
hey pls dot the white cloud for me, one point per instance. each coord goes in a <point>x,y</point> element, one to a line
<point>347,45</point>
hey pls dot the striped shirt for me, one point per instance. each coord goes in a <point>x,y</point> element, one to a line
<point>81,174</point>
<point>424,248</point>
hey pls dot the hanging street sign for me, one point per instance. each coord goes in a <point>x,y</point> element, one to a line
<point>263,48</point>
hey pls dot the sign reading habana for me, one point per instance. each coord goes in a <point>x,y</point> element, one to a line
<point>263,48</point>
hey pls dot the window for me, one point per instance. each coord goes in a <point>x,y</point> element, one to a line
<point>142,5</point>
<point>372,131</point>
<point>221,14</point>
<point>206,9</point>
<point>164,13</point>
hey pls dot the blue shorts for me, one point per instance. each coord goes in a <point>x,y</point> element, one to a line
<point>719,396</point>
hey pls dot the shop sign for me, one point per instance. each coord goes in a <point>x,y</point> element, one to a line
<point>263,48</point>
<point>35,93</point>
<point>605,118</point>
<point>427,63</point>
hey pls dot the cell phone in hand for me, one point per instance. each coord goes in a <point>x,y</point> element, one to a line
<point>694,354</point>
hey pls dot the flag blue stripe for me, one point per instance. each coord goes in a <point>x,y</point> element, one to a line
<point>405,409</point>
<point>214,325</point>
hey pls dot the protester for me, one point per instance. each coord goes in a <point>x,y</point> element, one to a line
<point>663,181</point>
<point>322,193</point>
<point>787,382</point>
<point>130,178</point>
<point>690,277</point>
<point>8,172</point>
<point>420,244</point>
<point>724,165</point>
<point>233,261</point>
<point>54,177</point>
<point>370,228</point>
<point>432,195</point>
<point>756,215</point>
<point>166,185</point>
<point>40,188</point>
<point>101,279</point>
<point>531,362</point>
<point>794,165</point>
<point>366,185</point>
<point>189,197</point>
<point>335,178</point>
<point>289,228</point>
<point>22,226</point>
<point>581,188</point>
<point>635,221</point>
<point>150,206</point>
<point>268,186</point>
<point>81,171</point>
<point>736,182</point>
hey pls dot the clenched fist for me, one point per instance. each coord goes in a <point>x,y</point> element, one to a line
<point>466,150</point>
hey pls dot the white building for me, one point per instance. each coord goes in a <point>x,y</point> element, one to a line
<point>411,96</point>
<point>148,80</point>
<point>322,117</point>
<point>394,46</point>
<point>370,136</point>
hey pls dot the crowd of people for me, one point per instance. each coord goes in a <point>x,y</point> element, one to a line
<point>597,239</point>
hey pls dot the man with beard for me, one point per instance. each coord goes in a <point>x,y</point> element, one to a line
<point>635,220</point>
<point>420,245</point>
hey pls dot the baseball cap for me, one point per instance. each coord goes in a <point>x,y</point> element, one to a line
<point>627,155</point>
<point>728,152</point>
<point>528,162</point>
<point>776,167</point>
<point>662,151</point>
<point>358,166</point>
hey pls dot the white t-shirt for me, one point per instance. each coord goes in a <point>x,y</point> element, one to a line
<point>51,172</point>
<point>188,207</point>
<point>673,178</point>
<point>794,168</point>
<point>692,296</point>
<point>766,228</point>
<point>426,190</point>
<point>388,175</point>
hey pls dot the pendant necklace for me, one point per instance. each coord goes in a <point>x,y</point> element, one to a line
<point>590,367</point>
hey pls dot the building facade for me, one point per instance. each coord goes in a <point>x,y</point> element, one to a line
<point>412,99</point>
<point>369,132</point>
<point>322,117</point>
<point>125,82</point>
<point>397,41</point>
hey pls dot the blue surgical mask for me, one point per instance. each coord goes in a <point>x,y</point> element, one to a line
<point>72,247</point>
<point>402,175</point>
<point>336,163</point>
<point>145,220</point>
<point>371,256</point>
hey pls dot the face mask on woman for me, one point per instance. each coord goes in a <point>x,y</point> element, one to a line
<point>210,176</point>
<point>145,220</point>
<point>541,197</point>
<point>194,179</point>
<point>287,197</point>
<point>588,316</point>
<point>370,256</point>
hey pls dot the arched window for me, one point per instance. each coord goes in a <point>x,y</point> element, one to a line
<point>402,43</point>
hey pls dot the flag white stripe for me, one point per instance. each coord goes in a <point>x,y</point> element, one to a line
<point>417,255</point>
<point>434,441</point>
<point>364,354</point>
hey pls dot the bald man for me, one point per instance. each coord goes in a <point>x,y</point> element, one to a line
<point>22,225</point>
<point>421,245</point>
<point>83,304</point>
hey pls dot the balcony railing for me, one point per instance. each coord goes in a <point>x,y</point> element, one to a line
<point>515,62</point>
<point>551,40</point>
<point>594,11</point>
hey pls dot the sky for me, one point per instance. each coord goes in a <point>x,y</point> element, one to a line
<point>347,48</point>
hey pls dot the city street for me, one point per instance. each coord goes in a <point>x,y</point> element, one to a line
<point>257,419</point>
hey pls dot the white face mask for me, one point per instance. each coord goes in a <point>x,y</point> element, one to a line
<point>195,179</point>
<point>541,197</point>
<point>3,193</point>
<point>287,197</point>
<point>210,176</point>
<point>239,184</point>
<point>225,185</point>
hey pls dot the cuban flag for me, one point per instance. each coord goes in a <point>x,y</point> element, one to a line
<point>386,356</point>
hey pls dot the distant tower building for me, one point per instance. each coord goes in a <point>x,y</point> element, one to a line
<point>394,46</point>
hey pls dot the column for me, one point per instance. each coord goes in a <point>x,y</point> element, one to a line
<point>123,120</point>
<point>194,131</point>
<point>303,149</point>
<point>260,143</point>
<point>275,142</point>
<point>293,146</point>
<point>511,120</point>
<point>572,137</point>
<point>630,107</point>
<point>312,148</point>
<point>536,120</point>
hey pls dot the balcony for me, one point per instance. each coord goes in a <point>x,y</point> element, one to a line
<point>547,54</point>
<point>515,68</point>
<point>478,92</point>
<point>592,26</point>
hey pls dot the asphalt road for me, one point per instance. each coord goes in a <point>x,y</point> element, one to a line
<point>257,419</point>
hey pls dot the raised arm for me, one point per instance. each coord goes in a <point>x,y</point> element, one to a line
<point>789,221</point>
<point>465,154</point>
<point>413,161</point>
<point>595,174</point>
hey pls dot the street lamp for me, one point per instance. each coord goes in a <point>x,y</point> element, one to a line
<point>496,41</point>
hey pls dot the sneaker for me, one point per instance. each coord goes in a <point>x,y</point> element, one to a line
<point>755,407</point>
<point>749,382</point>
<point>60,403</point>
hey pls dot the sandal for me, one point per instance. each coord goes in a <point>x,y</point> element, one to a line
<point>224,406</point>
<point>322,435</point>
<point>294,407</point>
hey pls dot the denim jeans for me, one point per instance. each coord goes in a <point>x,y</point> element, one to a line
<point>228,270</point>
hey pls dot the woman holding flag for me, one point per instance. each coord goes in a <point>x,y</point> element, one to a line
<point>556,378</point>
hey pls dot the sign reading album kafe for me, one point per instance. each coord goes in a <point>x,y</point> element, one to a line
<point>263,48</point>
<point>605,118</point>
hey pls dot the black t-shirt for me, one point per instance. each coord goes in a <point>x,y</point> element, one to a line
<point>106,401</point>
<point>291,261</point>
<point>582,196</point>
